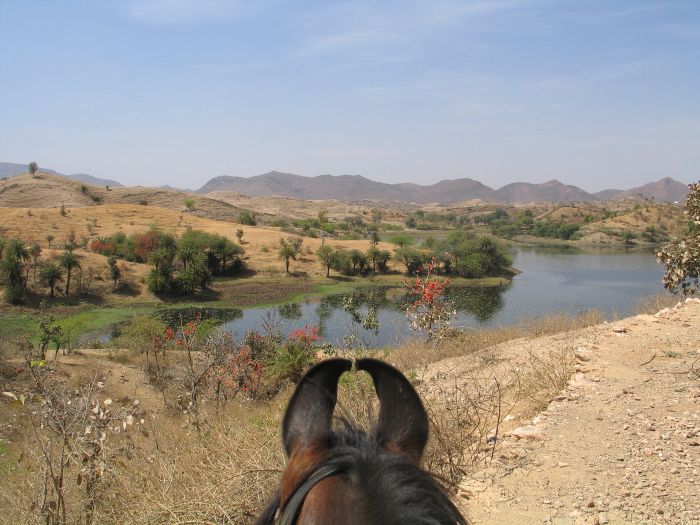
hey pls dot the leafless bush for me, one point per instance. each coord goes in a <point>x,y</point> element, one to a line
<point>465,419</point>
<point>76,440</point>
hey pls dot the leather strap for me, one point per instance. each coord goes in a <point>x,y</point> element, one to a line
<point>293,506</point>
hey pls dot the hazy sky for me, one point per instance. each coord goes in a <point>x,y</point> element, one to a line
<point>595,93</point>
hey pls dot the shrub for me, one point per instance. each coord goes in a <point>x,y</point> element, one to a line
<point>682,257</point>
<point>246,218</point>
<point>296,355</point>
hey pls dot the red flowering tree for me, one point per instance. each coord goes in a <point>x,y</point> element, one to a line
<point>429,312</point>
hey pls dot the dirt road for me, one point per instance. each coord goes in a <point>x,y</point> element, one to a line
<point>619,446</point>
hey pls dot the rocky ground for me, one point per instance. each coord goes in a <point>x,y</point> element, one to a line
<point>620,445</point>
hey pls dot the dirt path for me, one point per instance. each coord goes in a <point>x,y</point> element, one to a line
<point>619,446</point>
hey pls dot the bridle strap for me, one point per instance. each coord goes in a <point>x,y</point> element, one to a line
<point>293,505</point>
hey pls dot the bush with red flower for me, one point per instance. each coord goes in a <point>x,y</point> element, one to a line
<point>429,312</point>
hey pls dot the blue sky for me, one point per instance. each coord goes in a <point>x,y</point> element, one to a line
<point>595,93</point>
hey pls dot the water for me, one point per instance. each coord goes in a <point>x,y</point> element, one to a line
<point>553,280</point>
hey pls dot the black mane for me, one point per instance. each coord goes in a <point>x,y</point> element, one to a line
<point>391,489</point>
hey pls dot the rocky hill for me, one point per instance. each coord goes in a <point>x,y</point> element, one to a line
<point>356,188</point>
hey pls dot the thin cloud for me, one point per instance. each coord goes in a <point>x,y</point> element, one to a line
<point>365,26</point>
<point>183,11</point>
<point>590,78</point>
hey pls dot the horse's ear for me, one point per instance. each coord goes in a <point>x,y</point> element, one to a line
<point>403,422</point>
<point>309,412</point>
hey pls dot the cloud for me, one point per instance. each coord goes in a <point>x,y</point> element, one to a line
<point>359,26</point>
<point>689,30</point>
<point>589,78</point>
<point>183,11</point>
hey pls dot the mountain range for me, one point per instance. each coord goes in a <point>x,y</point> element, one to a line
<point>357,187</point>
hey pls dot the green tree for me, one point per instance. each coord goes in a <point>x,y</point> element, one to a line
<point>327,256</point>
<point>246,218</point>
<point>289,249</point>
<point>358,260</point>
<point>33,167</point>
<point>49,238</point>
<point>50,274</point>
<point>226,250</point>
<point>196,275</point>
<point>69,262</point>
<point>14,257</point>
<point>411,258</point>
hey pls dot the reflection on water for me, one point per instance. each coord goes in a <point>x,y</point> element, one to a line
<point>553,280</point>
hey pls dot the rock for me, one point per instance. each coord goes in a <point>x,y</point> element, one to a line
<point>619,329</point>
<point>666,312</point>
<point>691,300</point>
<point>603,518</point>
<point>530,432</point>
<point>582,354</point>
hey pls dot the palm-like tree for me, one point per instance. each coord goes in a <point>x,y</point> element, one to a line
<point>50,274</point>
<point>68,261</point>
<point>14,256</point>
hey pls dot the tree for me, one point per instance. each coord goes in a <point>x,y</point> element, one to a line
<point>197,274</point>
<point>226,250</point>
<point>49,238</point>
<point>410,257</point>
<point>114,271</point>
<point>51,274</point>
<point>682,257</point>
<point>289,249</point>
<point>69,262</point>
<point>33,167</point>
<point>328,256</point>
<point>14,257</point>
<point>35,252</point>
<point>239,235</point>
<point>358,259</point>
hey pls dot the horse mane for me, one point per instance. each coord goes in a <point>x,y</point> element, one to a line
<point>391,489</point>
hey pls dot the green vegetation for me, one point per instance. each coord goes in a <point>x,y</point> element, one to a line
<point>33,167</point>
<point>247,219</point>
<point>289,249</point>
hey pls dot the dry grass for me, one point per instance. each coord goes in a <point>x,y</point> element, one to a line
<point>416,353</point>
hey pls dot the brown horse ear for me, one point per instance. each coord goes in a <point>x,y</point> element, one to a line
<point>403,422</point>
<point>309,412</point>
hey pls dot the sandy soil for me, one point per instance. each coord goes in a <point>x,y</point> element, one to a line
<point>620,445</point>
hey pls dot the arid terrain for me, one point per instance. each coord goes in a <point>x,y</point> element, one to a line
<point>620,445</point>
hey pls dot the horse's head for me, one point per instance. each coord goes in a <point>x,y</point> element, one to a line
<point>352,477</point>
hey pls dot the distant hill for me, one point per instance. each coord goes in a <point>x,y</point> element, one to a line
<point>550,191</point>
<point>607,195</point>
<point>666,189</point>
<point>356,188</point>
<point>11,169</point>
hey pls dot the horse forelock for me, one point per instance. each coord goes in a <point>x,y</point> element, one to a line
<point>374,485</point>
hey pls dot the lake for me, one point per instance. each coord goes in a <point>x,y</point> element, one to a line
<point>553,280</point>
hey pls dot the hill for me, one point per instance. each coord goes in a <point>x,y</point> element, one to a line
<point>666,189</point>
<point>11,169</point>
<point>357,188</point>
<point>48,190</point>
<point>551,191</point>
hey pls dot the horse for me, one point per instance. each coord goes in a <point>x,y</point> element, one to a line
<point>349,476</point>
